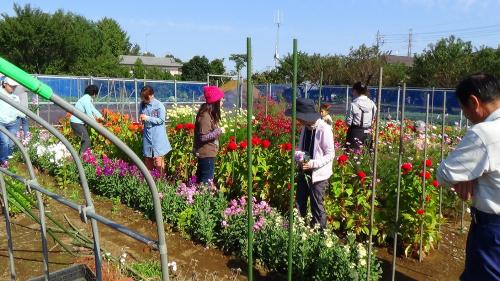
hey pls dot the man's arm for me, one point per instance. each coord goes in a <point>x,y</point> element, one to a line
<point>466,163</point>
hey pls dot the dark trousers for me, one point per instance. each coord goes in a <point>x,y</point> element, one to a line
<point>205,171</point>
<point>23,123</point>
<point>306,189</point>
<point>6,144</point>
<point>356,137</point>
<point>81,131</point>
<point>482,258</point>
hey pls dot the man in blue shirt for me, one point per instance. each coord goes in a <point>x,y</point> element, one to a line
<point>85,105</point>
<point>155,142</point>
<point>8,119</point>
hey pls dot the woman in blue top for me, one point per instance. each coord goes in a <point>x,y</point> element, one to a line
<point>85,104</point>
<point>155,142</point>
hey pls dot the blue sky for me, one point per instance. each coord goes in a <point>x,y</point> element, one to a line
<point>219,28</point>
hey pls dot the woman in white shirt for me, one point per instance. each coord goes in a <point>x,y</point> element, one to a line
<point>360,117</point>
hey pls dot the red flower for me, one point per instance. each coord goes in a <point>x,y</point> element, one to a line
<point>232,138</point>
<point>243,145</point>
<point>266,143</point>
<point>407,167</point>
<point>189,126</point>
<point>255,141</point>
<point>288,186</point>
<point>420,212</point>
<point>179,127</point>
<point>428,163</point>
<point>435,183</point>
<point>342,159</point>
<point>232,146</point>
<point>361,175</point>
<point>286,146</point>
<point>427,175</point>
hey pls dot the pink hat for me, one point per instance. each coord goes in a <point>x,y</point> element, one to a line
<point>212,94</point>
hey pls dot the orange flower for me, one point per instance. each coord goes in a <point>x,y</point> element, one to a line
<point>126,116</point>
<point>108,124</point>
<point>117,130</point>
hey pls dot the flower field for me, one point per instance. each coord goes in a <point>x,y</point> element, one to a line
<point>215,215</point>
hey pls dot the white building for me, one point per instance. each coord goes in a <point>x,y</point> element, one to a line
<point>166,64</point>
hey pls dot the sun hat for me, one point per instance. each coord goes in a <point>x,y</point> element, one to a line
<point>212,94</point>
<point>306,110</point>
<point>11,82</point>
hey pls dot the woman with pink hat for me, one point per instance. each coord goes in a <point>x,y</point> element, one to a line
<point>207,132</point>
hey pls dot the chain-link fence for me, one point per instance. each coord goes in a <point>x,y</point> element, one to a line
<point>123,95</point>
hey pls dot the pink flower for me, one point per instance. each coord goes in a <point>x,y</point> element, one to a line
<point>160,195</point>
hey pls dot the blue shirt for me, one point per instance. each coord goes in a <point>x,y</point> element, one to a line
<point>85,105</point>
<point>154,139</point>
<point>8,113</point>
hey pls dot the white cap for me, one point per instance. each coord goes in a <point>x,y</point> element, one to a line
<point>11,82</point>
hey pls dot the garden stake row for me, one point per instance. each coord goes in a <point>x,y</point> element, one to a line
<point>400,162</point>
<point>45,91</point>
<point>424,180</point>
<point>374,178</point>
<point>249,158</point>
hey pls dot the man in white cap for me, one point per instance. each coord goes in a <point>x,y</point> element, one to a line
<point>8,119</point>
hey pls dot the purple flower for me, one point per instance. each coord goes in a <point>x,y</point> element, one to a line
<point>224,224</point>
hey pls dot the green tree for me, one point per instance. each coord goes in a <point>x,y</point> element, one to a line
<point>394,74</point>
<point>443,64</point>
<point>363,64</point>
<point>217,67</point>
<point>486,60</point>
<point>139,69</point>
<point>196,69</point>
<point>173,57</point>
<point>240,61</point>
<point>134,50</point>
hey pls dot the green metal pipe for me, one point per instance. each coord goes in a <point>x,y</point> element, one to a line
<point>249,157</point>
<point>374,180</point>
<point>424,181</point>
<point>292,165</point>
<point>28,81</point>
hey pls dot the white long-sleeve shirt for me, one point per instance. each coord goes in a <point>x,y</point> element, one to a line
<point>477,157</point>
<point>358,105</point>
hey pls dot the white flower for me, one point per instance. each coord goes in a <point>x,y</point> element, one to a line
<point>362,262</point>
<point>329,243</point>
<point>172,265</point>
<point>303,236</point>
<point>361,250</point>
<point>347,249</point>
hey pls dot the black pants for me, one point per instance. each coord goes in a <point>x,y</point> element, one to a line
<point>356,137</point>
<point>315,191</point>
<point>205,171</point>
<point>82,132</point>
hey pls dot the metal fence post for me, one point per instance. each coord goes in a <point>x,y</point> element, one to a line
<point>374,179</point>
<point>397,103</point>
<point>432,106</point>
<point>400,162</point>
<point>292,165</point>
<point>136,100</point>
<point>424,180</point>
<point>346,100</point>
<point>443,122</point>
<point>175,91</point>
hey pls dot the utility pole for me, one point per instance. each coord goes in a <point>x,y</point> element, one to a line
<point>410,38</point>
<point>379,39</point>
<point>277,21</point>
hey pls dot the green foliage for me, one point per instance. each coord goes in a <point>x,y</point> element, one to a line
<point>62,43</point>
<point>240,61</point>
<point>196,69</point>
<point>443,64</point>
